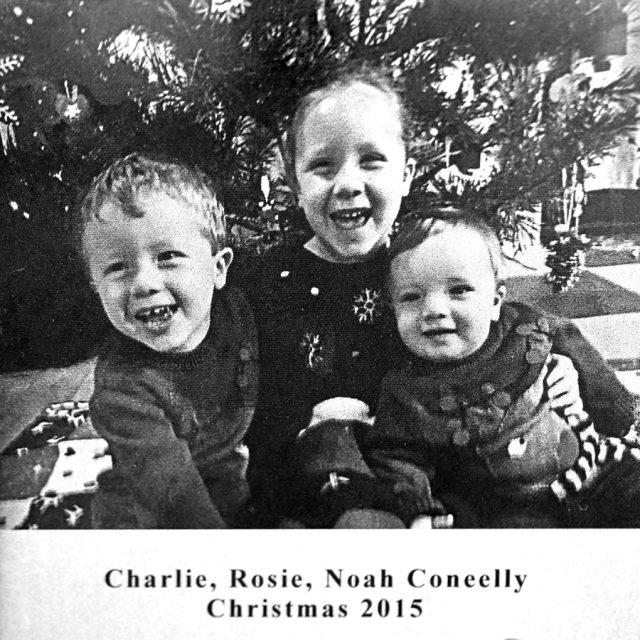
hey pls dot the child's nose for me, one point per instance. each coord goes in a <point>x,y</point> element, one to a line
<point>434,306</point>
<point>348,181</point>
<point>148,280</point>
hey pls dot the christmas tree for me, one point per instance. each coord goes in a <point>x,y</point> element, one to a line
<point>214,82</point>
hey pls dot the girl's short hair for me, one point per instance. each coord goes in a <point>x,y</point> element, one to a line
<point>355,72</point>
<point>417,227</point>
<point>124,180</point>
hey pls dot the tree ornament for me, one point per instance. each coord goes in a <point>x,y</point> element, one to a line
<point>567,252</point>
<point>566,258</point>
<point>72,106</point>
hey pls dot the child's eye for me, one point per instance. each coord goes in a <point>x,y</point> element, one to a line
<point>166,256</point>
<point>460,289</point>
<point>372,160</point>
<point>321,166</point>
<point>410,296</point>
<point>115,268</point>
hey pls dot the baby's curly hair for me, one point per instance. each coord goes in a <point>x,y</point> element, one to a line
<point>125,179</point>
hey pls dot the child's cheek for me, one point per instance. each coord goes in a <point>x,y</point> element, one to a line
<point>406,324</point>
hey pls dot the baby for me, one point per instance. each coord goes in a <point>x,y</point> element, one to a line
<point>467,418</point>
<point>175,385</point>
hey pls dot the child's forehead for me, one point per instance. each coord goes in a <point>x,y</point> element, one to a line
<point>355,92</point>
<point>447,231</point>
<point>157,218</point>
<point>114,230</point>
<point>354,114</point>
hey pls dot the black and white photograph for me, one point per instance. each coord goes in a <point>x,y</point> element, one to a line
<point>274,268</point>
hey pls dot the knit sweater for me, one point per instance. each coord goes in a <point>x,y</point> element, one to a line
<point>175,423</point>
<point>323,332</point>
<point>481,425</point>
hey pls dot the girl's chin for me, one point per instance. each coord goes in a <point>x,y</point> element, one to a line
<point>356,252</point>
<point>345,249</point>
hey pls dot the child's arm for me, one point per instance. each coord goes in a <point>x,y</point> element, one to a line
<point>152,461</point>
<point>605,398</point>
<point>562,386</point>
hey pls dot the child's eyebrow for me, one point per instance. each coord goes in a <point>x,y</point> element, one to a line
<point>404,285</point>
<point>164,243</point>
<point>319,150</point>
<point>113,255</point>
<point>369,145</point>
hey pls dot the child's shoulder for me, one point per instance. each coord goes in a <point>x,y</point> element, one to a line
<point>252,273</point>
<point>237,328</point>
<point>286,259</point>
<point>518,314</point>
<point>565,336</point>
<point>121,377</point>
<point>236,304</point>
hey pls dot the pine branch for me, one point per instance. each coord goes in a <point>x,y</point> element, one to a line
<point>7,115</point>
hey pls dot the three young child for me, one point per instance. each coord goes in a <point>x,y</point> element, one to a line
<point>175,389</point>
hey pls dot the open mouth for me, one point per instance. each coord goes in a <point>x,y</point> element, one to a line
<point>437,332</point>
<point>156,317</point>
<point>350,218</point>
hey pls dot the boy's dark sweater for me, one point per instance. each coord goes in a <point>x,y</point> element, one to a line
<point>175,423</point>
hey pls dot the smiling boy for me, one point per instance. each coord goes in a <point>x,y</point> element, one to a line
<point>175,384</point>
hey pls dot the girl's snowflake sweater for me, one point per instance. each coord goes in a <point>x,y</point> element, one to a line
<point>324,331</point>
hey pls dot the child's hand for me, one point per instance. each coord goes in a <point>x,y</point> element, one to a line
<point>562,386</point>
<point>433,522</point>
<point>413,503</point>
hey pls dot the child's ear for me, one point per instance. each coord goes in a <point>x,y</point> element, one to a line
<point>498,299</point>
<point>222,260</point>
<point>409,171</point>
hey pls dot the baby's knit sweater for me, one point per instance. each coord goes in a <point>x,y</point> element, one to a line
<point>446,418</point>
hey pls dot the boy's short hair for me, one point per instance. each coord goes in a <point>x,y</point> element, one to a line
<point>418,227</point>
<point>124,180</point>
<point>342,77</point>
